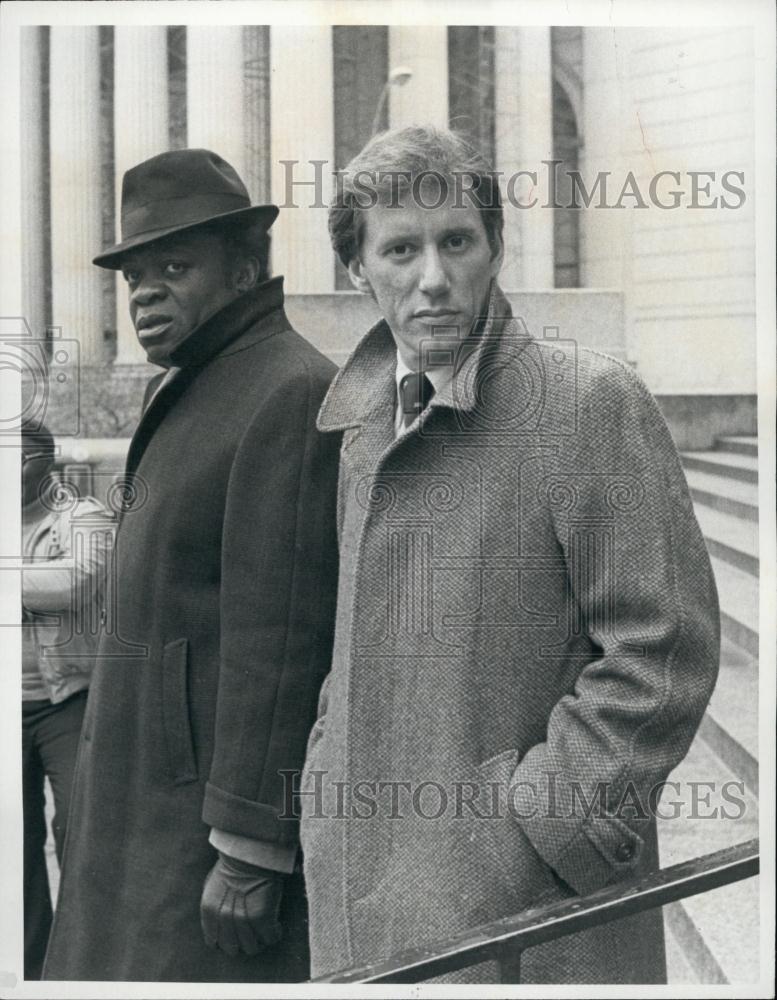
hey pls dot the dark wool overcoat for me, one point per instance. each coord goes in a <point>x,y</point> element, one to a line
<point>527,638</point>
<point>213,657</point>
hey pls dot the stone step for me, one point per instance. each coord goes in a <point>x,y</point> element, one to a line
<point>727,920</point>
<point>723,463</point>
<point>730,496</point>
<point>680,970</point>
<point>729,538</point>
<point>730,726</point>
<point>713,937</point>
<point>738,594</point>
<point>742,444</point>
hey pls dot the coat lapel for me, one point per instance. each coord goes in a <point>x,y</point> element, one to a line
<point>165,396</point>
<point>364,444</point>
<point>358,391</point>
<point>213,337</point>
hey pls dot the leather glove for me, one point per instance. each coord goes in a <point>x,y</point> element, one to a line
<point>239,906</point>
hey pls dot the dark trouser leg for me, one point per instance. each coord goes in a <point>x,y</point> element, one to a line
<point>58,739</point>
<point>291,963</point>
<point>37,902</point>
<point>51,736</point>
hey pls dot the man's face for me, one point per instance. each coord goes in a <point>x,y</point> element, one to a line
<point>175,284</point>
<point>429,271</point>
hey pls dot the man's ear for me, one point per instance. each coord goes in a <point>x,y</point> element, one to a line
<point>358,278</point>
<point>246,274</point>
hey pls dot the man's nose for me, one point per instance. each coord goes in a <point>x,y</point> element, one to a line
<point>147,291</point>
<point>434,278</point>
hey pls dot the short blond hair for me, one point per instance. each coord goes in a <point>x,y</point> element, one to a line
<point>399,157</point>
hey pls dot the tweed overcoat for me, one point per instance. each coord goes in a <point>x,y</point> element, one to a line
<point>527,638</point>
<point>213,654</point>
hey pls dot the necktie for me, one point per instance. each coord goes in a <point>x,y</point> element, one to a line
<point>415,391</point>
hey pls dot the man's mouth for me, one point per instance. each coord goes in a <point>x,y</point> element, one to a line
<point>152,325</point>
<point>444,314</point>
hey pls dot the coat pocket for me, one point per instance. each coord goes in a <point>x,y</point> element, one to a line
<point>503,840</point>
<point>175,711</point>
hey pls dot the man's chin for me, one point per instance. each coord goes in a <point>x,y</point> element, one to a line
<point>434,346</point>
<point>157,354</point>
<point>158,358</point>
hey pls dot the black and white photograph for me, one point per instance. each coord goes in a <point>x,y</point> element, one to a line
<point>388,484</point>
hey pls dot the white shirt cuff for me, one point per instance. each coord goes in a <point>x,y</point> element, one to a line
<point>276,857</point>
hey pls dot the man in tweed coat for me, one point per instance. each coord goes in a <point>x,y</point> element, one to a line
<point>527,631</point>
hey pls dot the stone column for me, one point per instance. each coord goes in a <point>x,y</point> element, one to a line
<point>33,189</point>
<point>140,131</point>
<point>507,148</point>
<point>214,91</point>
<point>302,131</point>
<point>75,188</point>
<point>423,100</point>
<point>523,139</point>
<point>601,230</point>
<point>256,49</point>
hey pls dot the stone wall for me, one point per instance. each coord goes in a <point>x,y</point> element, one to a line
<point>99,402</point>
<point>104,402</point>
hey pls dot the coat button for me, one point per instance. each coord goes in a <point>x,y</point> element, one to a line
<point>624,851</point>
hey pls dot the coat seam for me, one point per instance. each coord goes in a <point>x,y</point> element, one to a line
<point>677,603</point>
<point>669,658</point>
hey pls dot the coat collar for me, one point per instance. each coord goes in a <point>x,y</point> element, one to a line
<point>359,388</point>
<point>216,336</point>
<point>218,331</point>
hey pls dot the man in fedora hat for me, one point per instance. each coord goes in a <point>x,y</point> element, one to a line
<point>179,865</point>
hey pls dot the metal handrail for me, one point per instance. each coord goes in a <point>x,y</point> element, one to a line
<point>507,938</point>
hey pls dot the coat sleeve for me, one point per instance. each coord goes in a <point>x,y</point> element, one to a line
<point>278,589</point>
<point>641,588</point>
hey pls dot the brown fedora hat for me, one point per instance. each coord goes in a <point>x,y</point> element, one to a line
<point>177,191</point>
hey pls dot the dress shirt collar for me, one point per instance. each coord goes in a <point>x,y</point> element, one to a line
<point>439,377</point>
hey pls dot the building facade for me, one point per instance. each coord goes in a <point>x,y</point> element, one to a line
<point>627,162</point>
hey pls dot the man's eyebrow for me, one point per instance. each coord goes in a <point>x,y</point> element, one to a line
<point>401,236</point>
<point>409,236</point>
<point>467,228</point>
<point>177,247</point>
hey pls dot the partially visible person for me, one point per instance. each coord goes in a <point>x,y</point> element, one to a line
<point>58,647</point>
